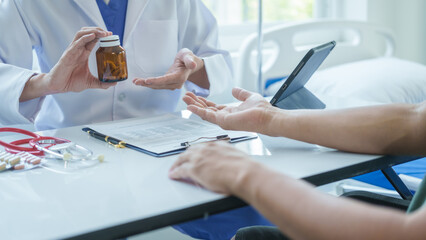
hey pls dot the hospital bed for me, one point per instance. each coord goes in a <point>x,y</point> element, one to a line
<point>361,67</point>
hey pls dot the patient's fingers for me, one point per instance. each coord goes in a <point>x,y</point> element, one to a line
<point>241,94</point>
<point>207,102</point>
<point>190,101</point>
<point>204,113</point>
<point>180,172</point>
<point>184,157</point>
<point>195,97</point>
<point>197,110</point>
<point>202,101</point>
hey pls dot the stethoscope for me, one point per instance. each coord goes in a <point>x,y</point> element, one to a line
<point>51,147</point>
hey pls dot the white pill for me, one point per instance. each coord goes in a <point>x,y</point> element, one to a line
<point>67,156</point>
<point>101,158</point>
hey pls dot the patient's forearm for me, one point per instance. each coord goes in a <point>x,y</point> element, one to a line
<point>303,213</point>
<point>386,129</point>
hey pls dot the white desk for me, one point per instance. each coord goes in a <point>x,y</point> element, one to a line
<point>130,192</point>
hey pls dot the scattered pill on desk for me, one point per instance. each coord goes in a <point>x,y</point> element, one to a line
<point>67,157</point>
<point>19,166</point>
<point>101,158</point>
<point>2,166</point>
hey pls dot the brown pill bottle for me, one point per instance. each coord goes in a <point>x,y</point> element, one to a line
<point>111,60</point>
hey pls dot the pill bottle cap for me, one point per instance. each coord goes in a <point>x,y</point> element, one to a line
<point>110,41</point>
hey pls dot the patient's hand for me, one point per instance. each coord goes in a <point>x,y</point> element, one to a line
<point>217,166</point>
<point>253,114</point>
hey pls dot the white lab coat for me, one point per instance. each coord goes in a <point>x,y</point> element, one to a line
<point>154,32</point>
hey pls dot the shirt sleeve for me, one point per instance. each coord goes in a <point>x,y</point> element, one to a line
<point>197,90</point>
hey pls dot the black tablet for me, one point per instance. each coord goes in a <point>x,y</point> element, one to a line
<point>293,94</point>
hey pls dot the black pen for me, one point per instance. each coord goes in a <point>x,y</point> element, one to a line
<point>111,140</point>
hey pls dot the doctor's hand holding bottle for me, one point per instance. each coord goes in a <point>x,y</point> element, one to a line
<point>71,73</point>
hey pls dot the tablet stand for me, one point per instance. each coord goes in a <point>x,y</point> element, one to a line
<point>300,99</point>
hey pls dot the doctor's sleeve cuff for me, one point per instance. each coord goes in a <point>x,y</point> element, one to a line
<point>29,109</point>
<point>15,112</point>
<point>197,90</point>
<point>219,72</point>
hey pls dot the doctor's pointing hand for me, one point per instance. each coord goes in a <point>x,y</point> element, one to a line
<point>186,66</point>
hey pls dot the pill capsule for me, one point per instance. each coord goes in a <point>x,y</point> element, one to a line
<point>8,157</point>
<point>14,160</point>
<point>2,166</point>
<point>35,161</point>
<point>29,159</point>
<point>3,155</point>
<point>19,166</point>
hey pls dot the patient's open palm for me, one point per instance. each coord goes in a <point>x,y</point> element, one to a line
<point>247,116</point>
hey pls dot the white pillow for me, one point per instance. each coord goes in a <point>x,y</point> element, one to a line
<point>380,80</point>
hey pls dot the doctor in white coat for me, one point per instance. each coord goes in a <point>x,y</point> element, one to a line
<point>66,93</point>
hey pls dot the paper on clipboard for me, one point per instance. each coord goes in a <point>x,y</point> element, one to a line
<point>166,133</point>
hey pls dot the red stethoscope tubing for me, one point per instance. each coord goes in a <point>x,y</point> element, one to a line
<point>15,146</point>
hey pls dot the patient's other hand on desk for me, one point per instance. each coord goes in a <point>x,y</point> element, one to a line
<point>217,166</point>
<point>253,114</point>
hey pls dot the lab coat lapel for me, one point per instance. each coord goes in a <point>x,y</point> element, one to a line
<point>135,9</point>
<point>90,8</point>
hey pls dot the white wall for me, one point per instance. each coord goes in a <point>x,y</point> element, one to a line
<point>408,21</point>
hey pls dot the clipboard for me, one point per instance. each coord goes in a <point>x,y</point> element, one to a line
<point>174,134</point>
